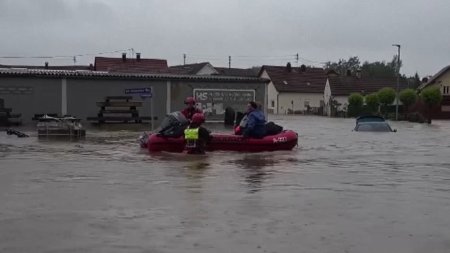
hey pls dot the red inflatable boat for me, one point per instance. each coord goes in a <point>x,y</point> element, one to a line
<point>285,140</point>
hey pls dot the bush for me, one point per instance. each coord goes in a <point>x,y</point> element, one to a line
<point>372,102</point>
<point>408,97</point>
<point>386,96</point>
<point>431,97</point>
<point>355,104</point>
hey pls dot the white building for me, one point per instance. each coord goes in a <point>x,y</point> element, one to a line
<point>294,89</point>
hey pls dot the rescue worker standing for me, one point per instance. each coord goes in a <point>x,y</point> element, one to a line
<point>190,109</point>
<point>196,136</point>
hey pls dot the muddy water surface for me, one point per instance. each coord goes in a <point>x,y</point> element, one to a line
<point>339,191</point>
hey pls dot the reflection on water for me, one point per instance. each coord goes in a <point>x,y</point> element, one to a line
<point>339,191</point>
<point>256,169</point>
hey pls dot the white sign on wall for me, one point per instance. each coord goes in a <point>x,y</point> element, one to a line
<point>215,101</point>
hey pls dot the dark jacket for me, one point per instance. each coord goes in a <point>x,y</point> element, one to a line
<point>255,124</point>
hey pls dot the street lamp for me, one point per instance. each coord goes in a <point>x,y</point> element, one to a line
<point>398,79</point>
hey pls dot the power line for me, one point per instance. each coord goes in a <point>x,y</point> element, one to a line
<point>240,56</point>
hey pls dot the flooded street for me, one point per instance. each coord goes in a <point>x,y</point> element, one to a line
<point>339,191</point>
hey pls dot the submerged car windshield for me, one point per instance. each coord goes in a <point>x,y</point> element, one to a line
<point>373,127</point>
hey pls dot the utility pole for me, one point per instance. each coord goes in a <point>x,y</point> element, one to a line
<point>229,62</point>
<point>296,59</point>
<point>398,79</point>
<point>184,59</point>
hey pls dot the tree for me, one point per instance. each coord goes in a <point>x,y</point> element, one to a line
<point>407,97</point>
<point>372,102</point>
<point>341,67</point>
<point>415,81</point>
<point>378,69</point>
<point>355,104</point>
<point>431,96</point>
<point>386,96</point>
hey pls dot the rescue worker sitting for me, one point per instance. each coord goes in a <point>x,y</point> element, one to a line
<point>196,136</point>
<point>255,122</point>
<point>190,109</point>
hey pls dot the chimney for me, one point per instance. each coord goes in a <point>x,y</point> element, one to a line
<point>124,57</point>
<point>46,65</point>
<point>138,56</point>
<point>302,68</point>
<point>288,67</point>
<point>349,72</point>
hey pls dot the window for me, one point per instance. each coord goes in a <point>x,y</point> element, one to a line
<point>272,102</point>
<point>446,90</point>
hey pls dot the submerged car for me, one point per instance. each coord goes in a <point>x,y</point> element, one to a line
<point>371,123</point>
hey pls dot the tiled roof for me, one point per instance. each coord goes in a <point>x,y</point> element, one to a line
<point>131,65</point>
<point>194,68</point>
<point>86,74</point>
<point>51,67</point>
<point>252,72</point>
<point>344,85</point>
<point>311,80</point>
<point>436,76</point>
<point>188,69</point>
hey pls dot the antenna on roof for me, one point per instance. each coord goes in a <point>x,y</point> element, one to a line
<point>184,59</point>
<point>229,62</point>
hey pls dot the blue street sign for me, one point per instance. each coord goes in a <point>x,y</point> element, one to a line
<point>142,91</point>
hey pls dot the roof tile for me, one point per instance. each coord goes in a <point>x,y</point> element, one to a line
<point>131,65</point>
<point>307,80</point>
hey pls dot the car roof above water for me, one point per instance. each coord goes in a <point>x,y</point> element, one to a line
<point>369,118</point>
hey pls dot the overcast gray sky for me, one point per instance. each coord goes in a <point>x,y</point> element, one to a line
<point>253,32</point>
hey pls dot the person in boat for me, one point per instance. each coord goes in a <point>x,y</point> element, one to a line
<point>255,126</point>
<point>190,109</point>
<point>196,136</point>
<point>238,129</point>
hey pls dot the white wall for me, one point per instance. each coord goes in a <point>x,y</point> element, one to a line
<point>280,102</point>
<point>343,100</point>
<point>285,101</point>
<point>272,95</point>
<point>208,69</point>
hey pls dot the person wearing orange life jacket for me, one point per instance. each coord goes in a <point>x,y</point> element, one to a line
<point>190,109</point>
<point>196,136</point>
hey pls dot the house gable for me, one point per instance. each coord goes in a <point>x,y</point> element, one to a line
<point>207,69</point>
<point>441,80</point>
<point>296,79</point>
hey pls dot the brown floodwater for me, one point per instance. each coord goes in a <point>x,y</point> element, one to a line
<point>339,191</point>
